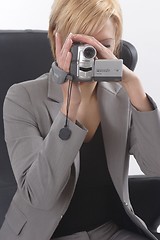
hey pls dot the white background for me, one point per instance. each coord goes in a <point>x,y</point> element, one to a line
<point>141,28</point>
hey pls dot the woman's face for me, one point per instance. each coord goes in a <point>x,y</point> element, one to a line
<point>106,35</point>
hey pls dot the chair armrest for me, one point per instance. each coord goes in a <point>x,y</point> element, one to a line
<point>145,198</point>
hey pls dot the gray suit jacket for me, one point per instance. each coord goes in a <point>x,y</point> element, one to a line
<point>46,167</point>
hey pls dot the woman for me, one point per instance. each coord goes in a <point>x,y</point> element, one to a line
<point>68,188</point>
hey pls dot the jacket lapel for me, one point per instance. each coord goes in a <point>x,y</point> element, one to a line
<point>54,89</point>
<point>114,110</point>
<point>55,97</point>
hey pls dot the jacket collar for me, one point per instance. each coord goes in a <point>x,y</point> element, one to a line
<point>112,87</point>
<point>55,92</point>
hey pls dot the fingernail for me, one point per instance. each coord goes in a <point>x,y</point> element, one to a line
<point>57,34</point>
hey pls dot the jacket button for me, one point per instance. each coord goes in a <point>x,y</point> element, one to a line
<point>125,203</point>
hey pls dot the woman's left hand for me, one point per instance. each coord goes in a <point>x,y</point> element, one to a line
<point>130,81</point>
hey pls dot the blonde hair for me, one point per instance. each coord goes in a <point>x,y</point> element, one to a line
<point>84,17</point>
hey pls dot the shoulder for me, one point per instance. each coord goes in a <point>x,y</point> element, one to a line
<point>35,86</point>
<point>25,102</point>
<point>29,91</point>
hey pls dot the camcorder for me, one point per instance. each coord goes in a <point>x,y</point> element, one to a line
<point>86,67</point>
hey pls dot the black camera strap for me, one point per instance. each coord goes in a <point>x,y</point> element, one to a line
<point>60,76</point>
<point>65,132</point>
<point>68,101</point>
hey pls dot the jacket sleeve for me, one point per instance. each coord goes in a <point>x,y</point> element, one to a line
<point>145,139</point>
<point>42,166</point>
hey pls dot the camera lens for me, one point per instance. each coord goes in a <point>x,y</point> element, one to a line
<point>89,52</point>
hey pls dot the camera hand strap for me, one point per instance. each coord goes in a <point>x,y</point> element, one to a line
<point>59,75</point>
<point>65,132</point>
<point>68,101</point>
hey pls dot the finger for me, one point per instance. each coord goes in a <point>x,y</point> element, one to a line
<point>58,44</point>
<point>89,40</point>
<point>85,39</point>
<point>65,57</point>
<point>67,62</point>
<point>66,48</point>
<point>67,45</point>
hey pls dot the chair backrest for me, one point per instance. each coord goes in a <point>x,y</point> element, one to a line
<point>25,55</point>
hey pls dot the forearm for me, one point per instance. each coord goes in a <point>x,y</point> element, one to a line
<point>145,139</point>
<point>135,91</point>
<point>41,161</point>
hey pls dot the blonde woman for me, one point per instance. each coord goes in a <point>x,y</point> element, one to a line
<point>68,188</point>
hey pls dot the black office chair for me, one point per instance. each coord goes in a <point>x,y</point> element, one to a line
<point>25,55</point>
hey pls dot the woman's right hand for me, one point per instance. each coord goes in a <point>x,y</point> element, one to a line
<point>63,58</point>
